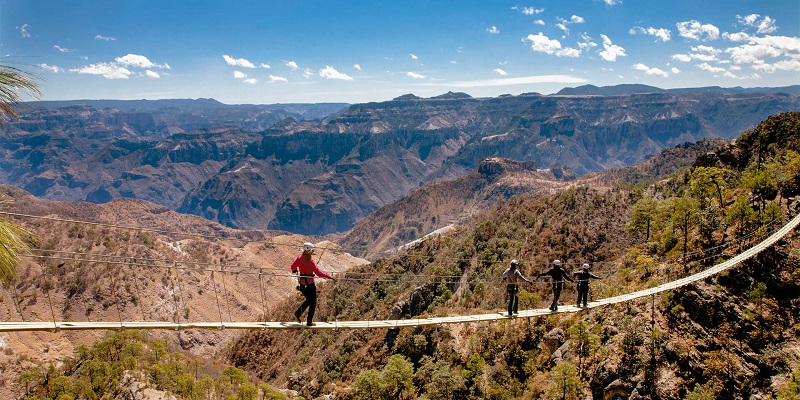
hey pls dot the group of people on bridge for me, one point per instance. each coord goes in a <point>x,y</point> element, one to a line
<point>557,274</point>
<point>307,269</point>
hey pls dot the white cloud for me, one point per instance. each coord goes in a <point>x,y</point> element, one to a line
<point>748,19</point>
<point>273,79</point>
<point>241,75</point>
<point>736,37</point>
<point>538,22</point>
<point>661,34</point>
<point>700,53</point>
<point>764,26</point>
<point>415,75</point>
<point>293,65</point>
<point>767,26</point>
<point>138,61</point>
<point>238,62</point>
<point>525,80</point>
<point>711,68</point>
<point>675,70</point>
<point>704,57</point>
<point>107,70</point>
<point>759,51</point>
<point>331,73</point>
<point>543,44</point>
<point>308,73</point>
<point>493,30</point>
<point>785,65</point>
<point>105,38</point>
<point>697,31</point>
<point>152,74</point>
<point>612,2</point>
<point>265,66</point>
<point>650,71</point>
<point>530,10</point>
<point>413,56</point>
<point>51,68</point>
<point>704,53</point>
<point>562,23</point>
<point>706,49</point>
<point>611,51</point>
<point>682,57</point>
<point>62,49</point>
<point>587,42</point>
<point>500,72</point>
<point>23,30</point>
<point>357,66</point>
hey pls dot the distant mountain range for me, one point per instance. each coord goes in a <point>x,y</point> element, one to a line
<point>619,90</point>
<point>300,110</point>
<point>318,168</point>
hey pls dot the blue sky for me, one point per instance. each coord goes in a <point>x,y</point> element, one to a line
<point>287,51</point>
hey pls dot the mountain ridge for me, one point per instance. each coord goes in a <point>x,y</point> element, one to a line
<point>274,170</point>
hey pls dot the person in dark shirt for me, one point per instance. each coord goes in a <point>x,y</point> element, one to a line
<point>582,277</point>
<point>307,268</point>
<point>557,274</point>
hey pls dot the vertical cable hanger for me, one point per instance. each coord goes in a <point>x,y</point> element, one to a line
<point>138,292</point>
<point>116,297</point>
<point>226,294</point>
<point>216,296</point>
<point>263,298</point>
<point>47,283</point>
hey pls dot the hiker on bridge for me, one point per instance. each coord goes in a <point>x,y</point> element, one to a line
<point>557,274</point>
<point>307,268</point>
<point>582,277</point>
<point>512,276</point>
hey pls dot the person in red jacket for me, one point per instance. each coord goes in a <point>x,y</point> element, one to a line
<point>307,268</point>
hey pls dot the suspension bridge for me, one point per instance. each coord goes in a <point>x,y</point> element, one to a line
<point>57,326</point>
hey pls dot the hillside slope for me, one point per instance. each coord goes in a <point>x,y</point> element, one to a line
<point>448,203</point>
<point>85,265</point>
<point>736,335</point>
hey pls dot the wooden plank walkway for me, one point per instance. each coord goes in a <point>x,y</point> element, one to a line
<point>55,326</point>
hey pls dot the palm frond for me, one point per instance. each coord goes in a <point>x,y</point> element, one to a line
<point>11,246</point>
<point>13,83</point>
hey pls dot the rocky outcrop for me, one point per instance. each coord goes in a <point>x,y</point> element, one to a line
<point>439,204</point>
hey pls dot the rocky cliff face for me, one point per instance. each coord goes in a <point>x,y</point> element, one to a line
<point>441,203</point>
<point>323,176</point>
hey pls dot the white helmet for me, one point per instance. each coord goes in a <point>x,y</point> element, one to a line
<point>514,262</point>
<point>556,262</point>
<point>308,246</point>
<point>585,266</point>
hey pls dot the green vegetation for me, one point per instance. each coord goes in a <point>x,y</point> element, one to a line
<point>127,364</point>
